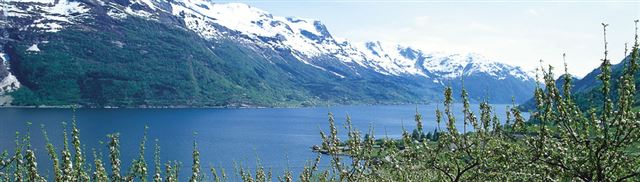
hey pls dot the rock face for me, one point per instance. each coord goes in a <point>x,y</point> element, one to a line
<point>8,81</point>
<point>199,53</point>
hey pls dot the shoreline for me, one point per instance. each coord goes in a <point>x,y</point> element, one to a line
<point>204,107</point>
<point>217,107</point>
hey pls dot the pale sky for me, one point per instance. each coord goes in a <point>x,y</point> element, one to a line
<point>516,32</point>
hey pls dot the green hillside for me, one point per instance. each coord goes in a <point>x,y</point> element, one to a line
<point>137,63</point>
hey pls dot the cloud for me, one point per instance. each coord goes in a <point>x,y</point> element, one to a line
<point>532,12</point>
<point>421,21</point>
<point>480,27</point>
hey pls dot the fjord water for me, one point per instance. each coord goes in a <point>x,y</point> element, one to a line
<point>279,138</point>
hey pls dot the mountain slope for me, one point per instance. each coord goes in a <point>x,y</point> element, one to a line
<point>586,91</point>
<point>198,53</point>
<point>474,72</point>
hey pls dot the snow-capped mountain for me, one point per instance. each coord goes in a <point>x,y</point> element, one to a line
<point>300,48</point>
<point>310,38</point>
<point>45,15</point>
<point>402,60</point>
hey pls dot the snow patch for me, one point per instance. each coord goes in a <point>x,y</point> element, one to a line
<point>47,15</point>
<point>337,74</point>
<point>301,24</point>
<point>4,58</point>
<point>9,84</point>
<point>116,14</point>
<point>66,8</point>
<point>48,27</point>
<point>34,48</point>
<point>387,59</point>
<point>149,4</point>
<point>33,1</point>
<point>299,35</point>
<point>138,12</point>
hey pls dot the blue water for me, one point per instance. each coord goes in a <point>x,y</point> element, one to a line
<point>279,138</point>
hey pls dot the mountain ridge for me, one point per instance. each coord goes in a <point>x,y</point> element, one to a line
<point>302,50</point>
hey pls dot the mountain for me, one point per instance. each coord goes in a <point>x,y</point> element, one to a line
<point>559,83</point>
<point>586,91</point>
<point>138,53</point>
<point>483,78</point>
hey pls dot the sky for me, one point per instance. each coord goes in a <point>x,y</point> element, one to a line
<point>520,33</point>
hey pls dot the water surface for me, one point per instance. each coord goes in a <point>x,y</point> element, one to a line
<point>279,138</point>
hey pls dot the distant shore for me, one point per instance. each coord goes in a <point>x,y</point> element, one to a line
<point>241,106</point>
<point>224,107</point>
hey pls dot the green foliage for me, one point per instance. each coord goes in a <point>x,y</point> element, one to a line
<point>195,168</point>
<point>139,168</point>
<point>565,143</point>
<point>100,173</point>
